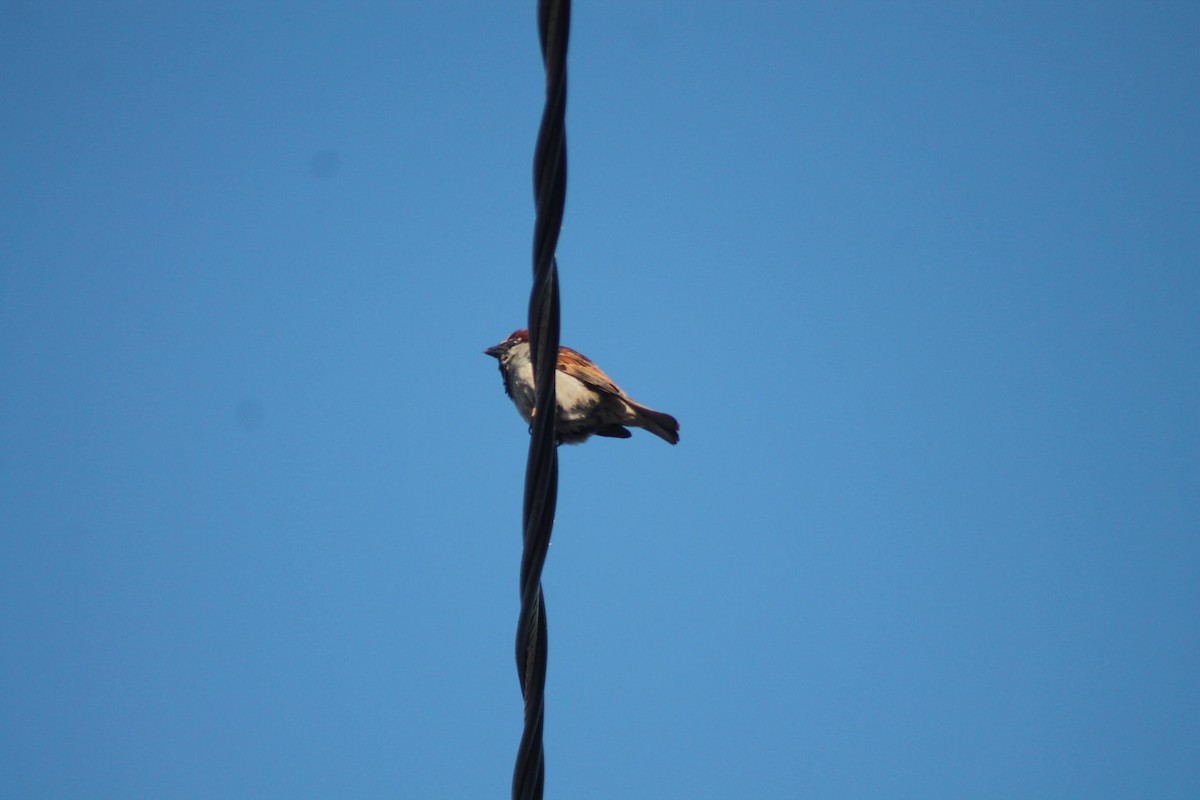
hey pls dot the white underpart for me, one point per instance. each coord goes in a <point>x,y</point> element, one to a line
<point>575,398</point>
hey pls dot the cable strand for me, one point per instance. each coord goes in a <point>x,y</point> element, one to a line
<point>541,471</point>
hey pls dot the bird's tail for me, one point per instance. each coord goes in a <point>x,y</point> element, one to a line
<point>664,426</point>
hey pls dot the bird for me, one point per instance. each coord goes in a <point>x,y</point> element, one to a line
<point>588,401</point>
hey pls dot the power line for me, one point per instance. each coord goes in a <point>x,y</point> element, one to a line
<point>541,471</point>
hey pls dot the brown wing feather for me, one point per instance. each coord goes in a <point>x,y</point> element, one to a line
<point>581,368</point>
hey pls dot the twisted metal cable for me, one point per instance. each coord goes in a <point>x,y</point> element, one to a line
<point>541,471</point>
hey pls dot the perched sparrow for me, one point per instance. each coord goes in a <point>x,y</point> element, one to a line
<point>588,402</point>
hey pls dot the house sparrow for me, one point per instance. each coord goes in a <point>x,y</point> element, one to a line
<point>588,401</point>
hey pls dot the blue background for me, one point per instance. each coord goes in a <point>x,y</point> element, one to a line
<point>921,282</point>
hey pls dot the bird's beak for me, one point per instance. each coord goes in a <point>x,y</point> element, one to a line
<point>494,352</point>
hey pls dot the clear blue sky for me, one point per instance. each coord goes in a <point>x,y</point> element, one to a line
<point>921,282</point>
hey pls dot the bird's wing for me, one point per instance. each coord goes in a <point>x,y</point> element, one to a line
<point>581,368</point>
